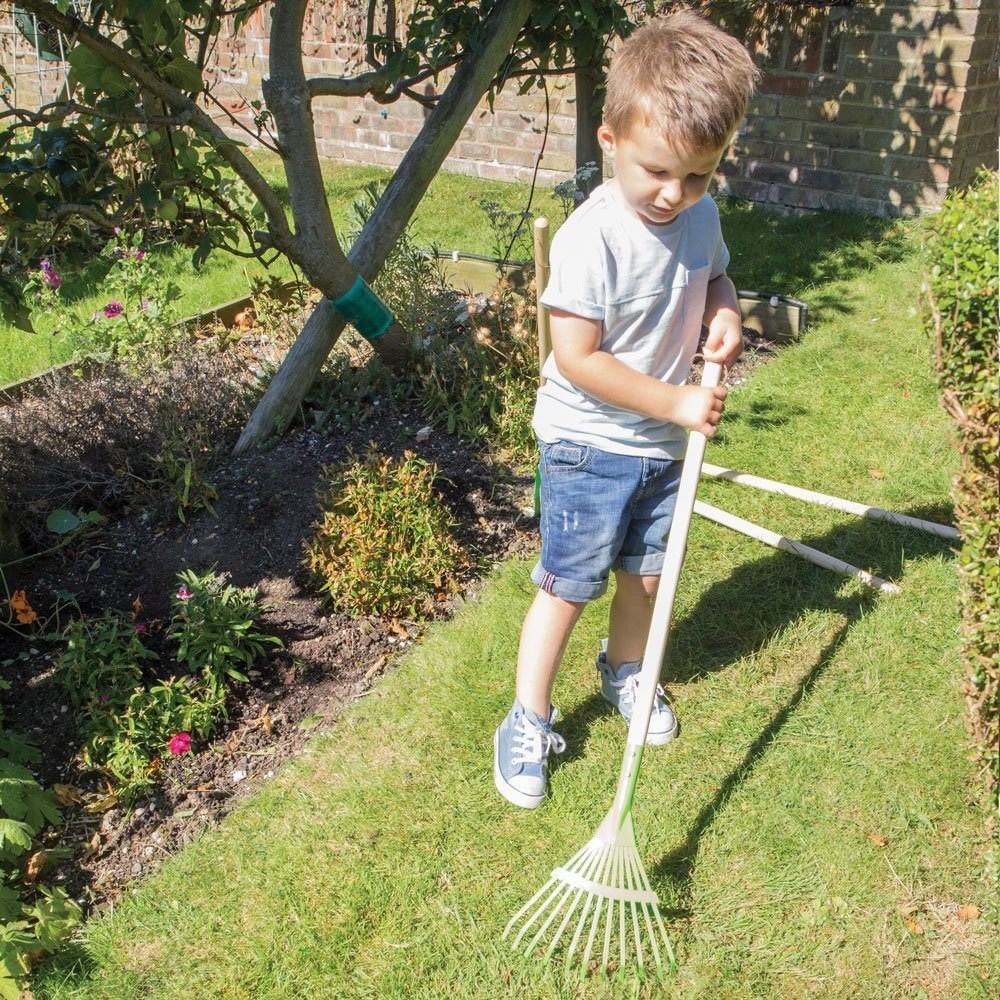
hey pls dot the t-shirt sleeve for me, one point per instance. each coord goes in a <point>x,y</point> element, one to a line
<point>720,255</point>
<point>576,280</point>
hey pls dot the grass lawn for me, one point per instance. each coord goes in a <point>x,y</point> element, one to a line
<point>818,798</point>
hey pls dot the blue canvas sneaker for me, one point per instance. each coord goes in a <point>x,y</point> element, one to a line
<point>620,690</point>
<point>521,747</point>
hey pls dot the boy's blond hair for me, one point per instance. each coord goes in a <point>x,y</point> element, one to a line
<point>683,76</point>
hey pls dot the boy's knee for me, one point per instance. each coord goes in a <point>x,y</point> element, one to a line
<point>637,583</point>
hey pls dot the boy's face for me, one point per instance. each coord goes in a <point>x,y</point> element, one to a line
<point>658,180</point>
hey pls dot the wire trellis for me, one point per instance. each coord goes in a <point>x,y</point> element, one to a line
<point>33,56</point>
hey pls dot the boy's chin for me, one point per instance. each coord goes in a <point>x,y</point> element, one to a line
<point>656,217</point>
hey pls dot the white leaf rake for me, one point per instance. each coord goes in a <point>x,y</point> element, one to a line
<point>603,891</point>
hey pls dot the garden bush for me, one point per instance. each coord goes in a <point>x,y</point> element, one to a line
<point>383,543</point>
<point>960,292</point>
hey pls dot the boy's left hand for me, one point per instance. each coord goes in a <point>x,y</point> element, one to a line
<point>725,338</point>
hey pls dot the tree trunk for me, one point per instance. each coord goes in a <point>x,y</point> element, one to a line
<point>387,223</point>
<point>589,108</point>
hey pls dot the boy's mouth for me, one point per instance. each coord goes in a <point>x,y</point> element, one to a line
<point>660,214</point>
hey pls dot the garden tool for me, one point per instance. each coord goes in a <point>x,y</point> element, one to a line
<point>601,901</point>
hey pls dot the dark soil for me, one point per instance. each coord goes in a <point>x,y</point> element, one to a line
<point>264,512</point>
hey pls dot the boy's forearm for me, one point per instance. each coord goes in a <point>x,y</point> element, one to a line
<point>721,295</point>
<point>614,382</point>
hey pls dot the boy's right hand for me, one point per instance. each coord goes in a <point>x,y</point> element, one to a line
<point>697,408</point>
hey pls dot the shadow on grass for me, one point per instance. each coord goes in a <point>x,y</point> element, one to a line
<point>756,603</point>
<point>738,615</point>
<point>834,248</point>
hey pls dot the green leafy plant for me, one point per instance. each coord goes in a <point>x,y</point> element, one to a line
<point>126,738</point>
<point>181,469</point>
<point>383,544</point>
<point>129,720</point>
<point>960,295</point>
<point>34,919</point>
<point>214,625</point>
<point>104,660</point>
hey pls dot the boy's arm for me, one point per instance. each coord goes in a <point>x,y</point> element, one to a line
<point>722,317</point>
<point>575,344</point>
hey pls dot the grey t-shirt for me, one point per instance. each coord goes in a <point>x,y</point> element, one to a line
<point>647,284</point>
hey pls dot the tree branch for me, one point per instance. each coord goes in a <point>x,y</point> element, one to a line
<point>74,28</point>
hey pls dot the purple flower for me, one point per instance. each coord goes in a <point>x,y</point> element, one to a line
<point>46,264</point>
<point>113,308</point>
<point>96,314</point>
<point>105,697</point>
<point>184,594</point>
<point>139,254</point>
<point>51,279</point>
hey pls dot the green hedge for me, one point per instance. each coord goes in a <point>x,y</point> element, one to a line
<point>961,314</point>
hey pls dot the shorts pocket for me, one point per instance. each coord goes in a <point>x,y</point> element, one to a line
<point>563,456</point>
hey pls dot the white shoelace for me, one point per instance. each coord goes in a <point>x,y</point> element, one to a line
<point>630,689</point>
<point>531,743</point>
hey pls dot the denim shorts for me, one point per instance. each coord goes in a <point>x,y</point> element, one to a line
<point>601,511</point>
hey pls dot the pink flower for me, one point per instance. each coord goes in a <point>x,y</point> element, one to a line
<point>117,230</point>
<point>141,628</point>
<point>144,305</point>
<point>113,308</point>
<point>184,593</point>
<point>96,314</point>
<point>181,743</point>
<point>51,279</point>
<point>105,697</point>
<point>139,254</point>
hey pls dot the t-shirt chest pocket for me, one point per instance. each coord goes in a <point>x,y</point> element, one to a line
<point>636,289</point>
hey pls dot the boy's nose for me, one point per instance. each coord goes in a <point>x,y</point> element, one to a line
<point>671,194</point>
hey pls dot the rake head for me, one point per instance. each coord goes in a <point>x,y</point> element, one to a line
<point>599,907</point>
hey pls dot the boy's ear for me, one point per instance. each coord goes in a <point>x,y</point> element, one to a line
<point>606,139</point>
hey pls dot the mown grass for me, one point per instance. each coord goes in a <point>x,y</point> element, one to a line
<point>819,796</point>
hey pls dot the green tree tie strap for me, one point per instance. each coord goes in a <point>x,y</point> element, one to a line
<point>370,316</point>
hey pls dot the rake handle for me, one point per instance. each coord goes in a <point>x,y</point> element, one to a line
<point>673,559</point>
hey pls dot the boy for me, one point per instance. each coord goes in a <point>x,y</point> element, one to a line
<point>636,270</point>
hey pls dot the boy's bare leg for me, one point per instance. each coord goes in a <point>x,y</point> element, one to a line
<point>631,613</point>
<point>544,634</point>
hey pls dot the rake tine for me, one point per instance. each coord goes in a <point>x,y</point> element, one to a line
<point>659,920</point>
<point>567,889</point>
<point>620,884</point>
<point>610,917</point>
<point>555,884</point>
<point>587,872</point>
<point>583,918</point>
<point>646,907</point>
<point>635,920</point>
<point>598,907</point>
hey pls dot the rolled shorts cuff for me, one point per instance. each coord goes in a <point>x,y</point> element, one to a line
<point>568,590</point>
<point>650,564</point>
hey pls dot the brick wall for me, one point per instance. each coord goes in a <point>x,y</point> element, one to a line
<point>878,107</point>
